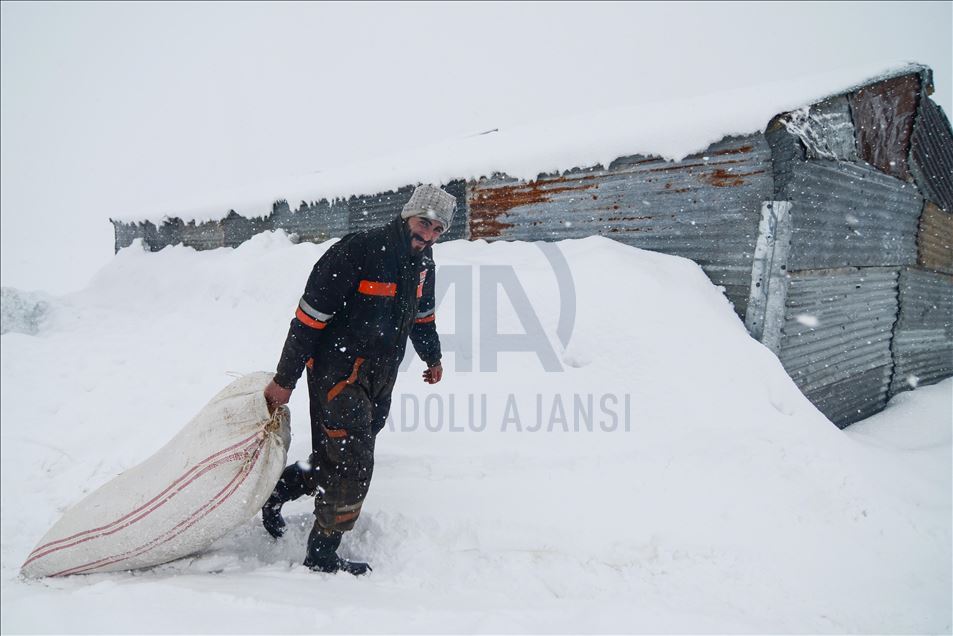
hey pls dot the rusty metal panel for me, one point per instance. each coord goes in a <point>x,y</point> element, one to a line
<point>931,154</point>
<point>923,337</point>
<point>825,129</point>
<point>203,236</point>
<point>312,222</point>
<point>847,214</point>
<point>935,239</point>
<point>883,116</point>
<point>835,343</point>
<point>706,207</point>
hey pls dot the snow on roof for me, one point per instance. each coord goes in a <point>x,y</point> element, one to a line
<point>671,129</point>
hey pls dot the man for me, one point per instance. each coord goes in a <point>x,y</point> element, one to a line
<point>364,297</point>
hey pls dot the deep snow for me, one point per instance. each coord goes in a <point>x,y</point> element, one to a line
<point>721,500</point>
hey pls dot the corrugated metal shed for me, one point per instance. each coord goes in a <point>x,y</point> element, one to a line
<point>835,342</point>
<point>935,239</point>
<point>706,207</point>
<point>931,154</point>
<point>883,115</point>
<point>923,338</point>
<point>846,214</point>
<point>814,228</point>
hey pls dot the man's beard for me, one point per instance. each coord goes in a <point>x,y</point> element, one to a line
<point>417,237</point>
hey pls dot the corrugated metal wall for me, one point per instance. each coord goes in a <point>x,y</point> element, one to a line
<point>705,207</point>
<point>883,115</point>
<point>856,220</point>
<point>923,339</point>
<point>935,239</point>
<point>821,230</point>
<point>846,214</point>
<point>931,155</point>
<point>835,341</point>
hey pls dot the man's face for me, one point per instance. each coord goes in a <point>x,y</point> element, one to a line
<point>424,232</point>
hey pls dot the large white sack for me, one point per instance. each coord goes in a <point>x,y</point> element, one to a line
<point>212,477</point>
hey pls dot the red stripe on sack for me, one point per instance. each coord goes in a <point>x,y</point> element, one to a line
<point>185,475</point>
<point>429,318</point>
<point>374,288</point>
<point>194,518</point>
<point>221,462</point>
<point>308,320</point>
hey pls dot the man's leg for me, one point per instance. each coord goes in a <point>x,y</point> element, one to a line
<point>297,479</point>
<point>342,462</point>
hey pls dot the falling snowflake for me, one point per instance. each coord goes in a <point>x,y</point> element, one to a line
<point>807,320</point>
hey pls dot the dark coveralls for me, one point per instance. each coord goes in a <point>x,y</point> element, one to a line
<point>364,297</point>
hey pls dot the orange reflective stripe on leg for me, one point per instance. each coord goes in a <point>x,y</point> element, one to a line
<point>334,433</point>
<point>337,388</point>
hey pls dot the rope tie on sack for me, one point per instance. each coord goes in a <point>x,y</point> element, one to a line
<point>279,415</point>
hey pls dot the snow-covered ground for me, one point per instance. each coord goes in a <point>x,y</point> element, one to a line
<point>700,492</point>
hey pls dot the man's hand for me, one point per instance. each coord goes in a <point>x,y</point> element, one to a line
<point>433,374</point>
<point>276,396</point>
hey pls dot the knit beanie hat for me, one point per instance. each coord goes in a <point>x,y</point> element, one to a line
<point>431,202</point>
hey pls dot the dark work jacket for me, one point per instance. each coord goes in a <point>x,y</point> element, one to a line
<point>364,297</point>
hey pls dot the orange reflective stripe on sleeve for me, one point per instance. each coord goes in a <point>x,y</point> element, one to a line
<point>375,288</point>
<point>308,320</point>
<point>429,318</point>
<point>420,290</point>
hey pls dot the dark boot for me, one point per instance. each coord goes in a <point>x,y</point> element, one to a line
<point>293,484</point>
<point>322,555</point>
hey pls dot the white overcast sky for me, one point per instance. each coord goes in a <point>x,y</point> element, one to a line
<point>108,108</point>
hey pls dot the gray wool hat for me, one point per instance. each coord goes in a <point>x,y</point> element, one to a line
<point>431,202</point>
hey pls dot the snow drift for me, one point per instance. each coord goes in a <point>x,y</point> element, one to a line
<point>664,474</point>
